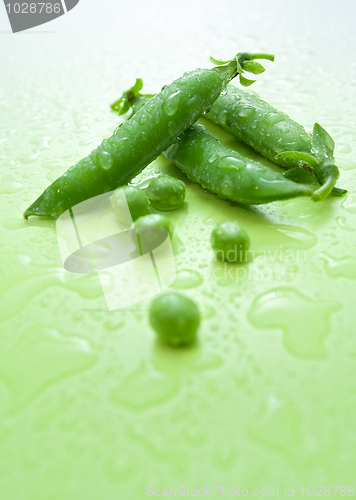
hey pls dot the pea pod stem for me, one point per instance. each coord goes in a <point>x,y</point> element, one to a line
<point>245,61</point>
<point>137,142</point>
<point>327,174</point>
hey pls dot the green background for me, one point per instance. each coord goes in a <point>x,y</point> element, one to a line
<point>91,405</point>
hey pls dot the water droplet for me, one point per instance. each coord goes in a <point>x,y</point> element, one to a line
<point>40,358</point>
<point>272,118</point>
<point>343,148</point>
<point>32,281</point>
<point>27,158</point>
<point>86,142</point>
<point>187,278</point>
<point>104,159</point>
<point>282,237</point>
<point>145,387</point>
<point>277,426</point>
<point>9,185</point>
<point>305,322</point>
<point>149,107</point>
<point>171,104</point>
<point>114,322</point>
<point>343,224</point>
<point>222,117</point>
<point>194,101</point>
<point>231,163</point>
<point>117,140</point>
<point>350,204</point>
<point>346,164</point>
<point>143,119</point>
<point>247,112</point>
<point>207,311</point>
<point>340,267</point>
<point>41,142</point>
<point>27,175</point>
<point>213,157</point>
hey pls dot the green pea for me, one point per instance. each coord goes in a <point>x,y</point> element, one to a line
<point>166,192</point>
<point>137,202</point>
<point>230,242</point>
<point>152,230</point>
<point>175,318</point>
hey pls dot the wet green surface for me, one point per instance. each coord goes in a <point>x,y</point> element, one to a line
<point>92,406</point>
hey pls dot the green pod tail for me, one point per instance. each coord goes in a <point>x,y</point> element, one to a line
<point>276,136</point>
<point>131,98</point>
<point>140,140</point>
<point>320,160</point>
<point>223,171</point>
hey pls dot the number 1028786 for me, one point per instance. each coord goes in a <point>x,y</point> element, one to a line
<point>33,8</point>
<point>326,491</point>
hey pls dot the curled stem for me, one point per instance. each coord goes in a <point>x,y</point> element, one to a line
<point>244,61</point>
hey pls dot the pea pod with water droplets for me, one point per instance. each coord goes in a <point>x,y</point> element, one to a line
<point>140,140</point>
<point>279,138</point>
<point>217,168</point>
<point>223,171</point>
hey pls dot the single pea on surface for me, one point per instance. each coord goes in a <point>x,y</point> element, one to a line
<point>137,202</point>
<point>166,192</point>
<point>230,242</point>
<point>152,230</point>
<point>175,318</point>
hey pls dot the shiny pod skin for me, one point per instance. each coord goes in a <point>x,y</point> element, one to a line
<point>223,171</point>
<point>276,136</point>
<point>138,141</point>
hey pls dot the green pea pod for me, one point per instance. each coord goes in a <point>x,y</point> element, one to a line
<point>223,171</point>
<point>219,169</point>
<point>277,137</point>
<point>140,140</point>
